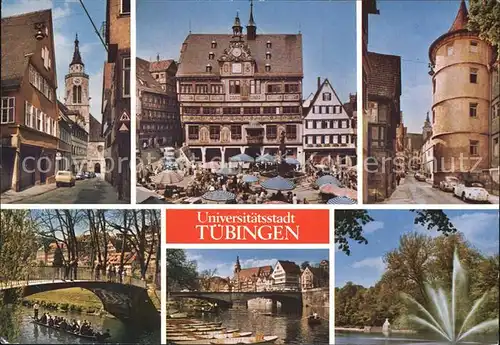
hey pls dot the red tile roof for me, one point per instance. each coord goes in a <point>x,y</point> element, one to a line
<point>246,273</point>
<point>460,22</point>
<point>159,66</point>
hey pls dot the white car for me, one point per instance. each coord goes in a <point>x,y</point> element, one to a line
<point>448,184</point>
<point>475,192</point>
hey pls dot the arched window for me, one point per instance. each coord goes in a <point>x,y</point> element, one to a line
<point>79,94</point>
<point>75,88</point>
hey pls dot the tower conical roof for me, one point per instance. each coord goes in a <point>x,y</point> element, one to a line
<point>251,21</point>
<point>77,58</point>
<point>462,18</point>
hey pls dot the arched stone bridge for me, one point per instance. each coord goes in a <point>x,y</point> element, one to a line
<point>127,302</point>
<point>289,300</point>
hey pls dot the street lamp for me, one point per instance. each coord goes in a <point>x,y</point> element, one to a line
<point>40,28</point>
<point>431,69</point>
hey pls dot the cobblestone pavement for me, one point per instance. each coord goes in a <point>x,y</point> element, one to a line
<point>411,191</point>
<point>90,191</point>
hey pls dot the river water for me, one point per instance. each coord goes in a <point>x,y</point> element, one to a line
<point>120,333</point>
<point>346,338</point>
<point>290,328</point>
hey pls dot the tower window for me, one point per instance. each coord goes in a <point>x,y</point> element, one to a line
<point>214,44</point>
<point>77,94</point>
<point>473,47</point>
<point>473,109</point>
<point>433,85</point>
<point>449,49</point>
<point>268,68</point>
<point>208,68</point>
<point>473,75</point>
<point>433,116</point>
<point>268,44</point>
<point>473,147</point>
<point>268,56</point>
<point>211,55</point>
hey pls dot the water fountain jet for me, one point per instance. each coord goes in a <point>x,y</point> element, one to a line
<point>444,319</point>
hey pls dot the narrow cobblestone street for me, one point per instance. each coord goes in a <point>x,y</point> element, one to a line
<point>90,191</point>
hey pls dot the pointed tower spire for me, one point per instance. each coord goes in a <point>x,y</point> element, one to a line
<point>237,28</point>
<point>77,58</point>
<point>237,266</point>
<point>251,27</point>
<point>427,118</point>
<point>462,18</point>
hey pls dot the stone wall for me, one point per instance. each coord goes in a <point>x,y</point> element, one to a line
<point>319,297</point>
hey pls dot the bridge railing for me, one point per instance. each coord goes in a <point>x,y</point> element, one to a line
<point>49,274</point>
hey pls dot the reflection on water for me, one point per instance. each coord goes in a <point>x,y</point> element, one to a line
<point>290,328</point>
<point>346,338</point>
<point>31,333</point>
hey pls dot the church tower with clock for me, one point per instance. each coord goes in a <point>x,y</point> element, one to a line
<point>77,87</point>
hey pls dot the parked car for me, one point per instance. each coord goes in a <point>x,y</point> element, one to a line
<point>474,192</point>
<point>419,176</point>
<point>80,176</point>
<point>448,184</point>
<point>92,174</point>
<point>65,178</point>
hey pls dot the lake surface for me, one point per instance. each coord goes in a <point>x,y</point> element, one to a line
<point>347,338</point>
<point>290,328</point>
<point>31,333</point>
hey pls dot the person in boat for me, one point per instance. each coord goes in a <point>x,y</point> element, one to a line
<point>64,324</point>
<point>43,318</point>
<point>50,322</point>
<point>36,308</point>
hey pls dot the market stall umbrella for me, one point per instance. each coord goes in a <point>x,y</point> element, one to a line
<point>278,183</point>
<point>242,157</point>
<point>276,202</point>
<point>338,191</point>
<point>218,196</point>
<point>250,179</point>
<point>226,172</point>
<point>292,161</point>
<point>266,158</point>
<point>341,200</point>
<point>147,196</point>
<point>213,165</point>
<point>167,177</point>
<point>327,179</point>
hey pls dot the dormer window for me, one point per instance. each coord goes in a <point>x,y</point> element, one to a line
<point>211,55</point>
<point>214,44</point>
<point>268,44</point>
<point>268,55</point>
<point>208,68</point>
<point>268,67</point>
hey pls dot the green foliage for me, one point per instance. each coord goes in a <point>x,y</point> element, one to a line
<point>419,259</point>
<point>484,17</point>
<point>349,225</point>
<point>181,273</point>
<point>58,258</point>
<point>304,265</point>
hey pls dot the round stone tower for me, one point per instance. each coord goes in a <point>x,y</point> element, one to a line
<point>461,97</point>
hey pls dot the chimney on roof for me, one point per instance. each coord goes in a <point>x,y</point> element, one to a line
<point>319,82</point>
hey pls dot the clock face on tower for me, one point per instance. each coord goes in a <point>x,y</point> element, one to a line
<point>77,81</point>
<point>236,52</point>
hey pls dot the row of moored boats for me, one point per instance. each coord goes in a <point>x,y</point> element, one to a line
<point>196,332</point>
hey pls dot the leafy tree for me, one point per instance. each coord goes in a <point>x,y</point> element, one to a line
<point>181,273</point>
<point>18,245</point>
<point>58,258</point>
<point>304,265</point>
<point>349,225</point>
<point>484,17</point>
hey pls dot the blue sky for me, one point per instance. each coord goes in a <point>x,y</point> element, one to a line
<point>69,18</point>
<point>407,28</point>
<point>223,259</point>
<point>365,265</point>
<point>328,29</point>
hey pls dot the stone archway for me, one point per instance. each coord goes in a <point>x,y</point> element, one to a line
<point>97,168</point>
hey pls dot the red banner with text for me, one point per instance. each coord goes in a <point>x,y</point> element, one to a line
<point>248,226</point>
